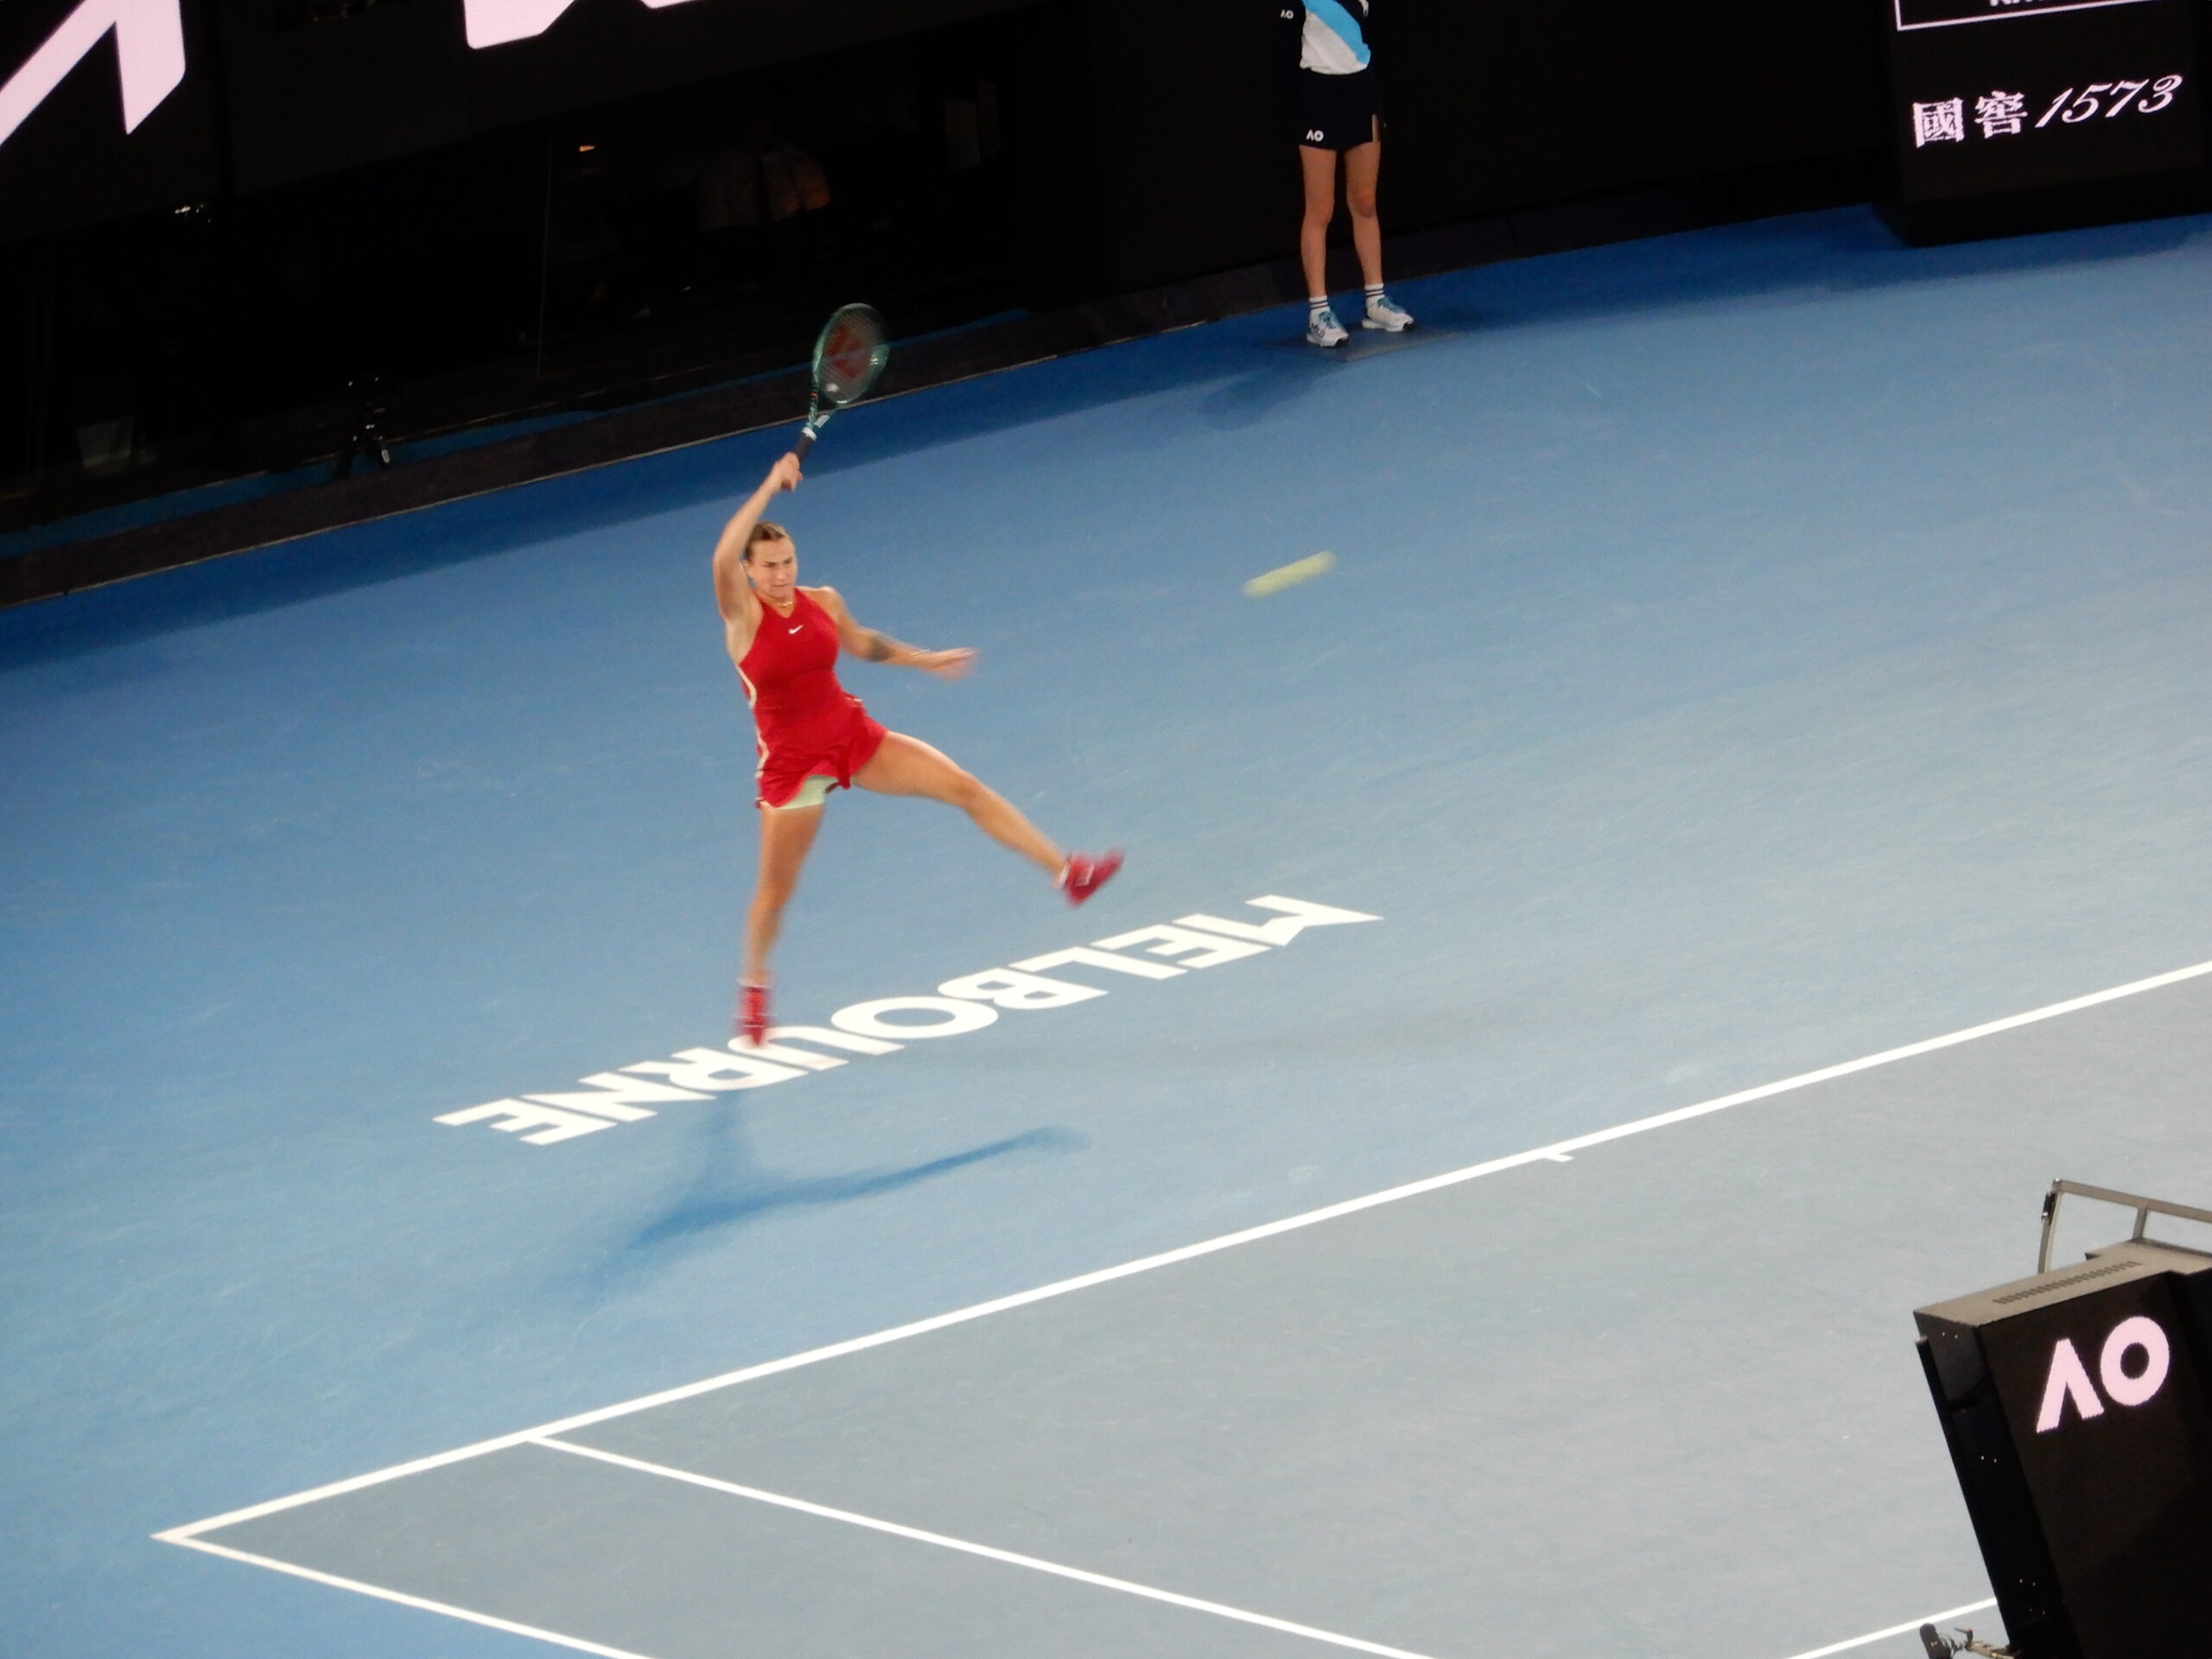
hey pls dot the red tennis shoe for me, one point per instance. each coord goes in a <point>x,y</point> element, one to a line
<point>752,1020</point>
<point>1086,872</point>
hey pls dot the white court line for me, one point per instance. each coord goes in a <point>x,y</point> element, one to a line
<point>987,1552</point>
<point>406,1600</point>
<point>1557,1152</point>
<point>1894,1630</point>
<point>425,1604</point>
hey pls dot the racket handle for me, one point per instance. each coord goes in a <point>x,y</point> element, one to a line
<point>806,437</point>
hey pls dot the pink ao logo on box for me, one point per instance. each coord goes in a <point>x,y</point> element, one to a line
<point>2068,1380</point>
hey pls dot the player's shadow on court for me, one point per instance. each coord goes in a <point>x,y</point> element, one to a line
<point>730,1187</point>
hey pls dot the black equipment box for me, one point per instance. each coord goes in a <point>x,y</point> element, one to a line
<point>2032,114</point>
<point>2075,1407</point>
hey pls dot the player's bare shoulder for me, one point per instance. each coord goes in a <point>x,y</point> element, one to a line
<point>829,598</point>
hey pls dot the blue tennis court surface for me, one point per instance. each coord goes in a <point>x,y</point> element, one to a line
<point>1745,653</point>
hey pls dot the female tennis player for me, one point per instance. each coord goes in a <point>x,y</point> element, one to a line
<point>1339,112</point>
<point>815,737</point>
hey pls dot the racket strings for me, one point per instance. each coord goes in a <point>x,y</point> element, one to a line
<point>850,355</point>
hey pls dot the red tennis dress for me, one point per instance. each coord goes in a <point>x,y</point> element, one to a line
<point>809,726</point>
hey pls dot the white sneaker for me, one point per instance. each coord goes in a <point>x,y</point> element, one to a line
<point>1386,314</point>
<point>1322,328</point>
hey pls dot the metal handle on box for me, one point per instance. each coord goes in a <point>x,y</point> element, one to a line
<point>2144,1208</point>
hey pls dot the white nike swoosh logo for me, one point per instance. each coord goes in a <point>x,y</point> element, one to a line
<point>800,626</point>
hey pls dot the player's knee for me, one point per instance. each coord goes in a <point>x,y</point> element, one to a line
<point>1362,203</point>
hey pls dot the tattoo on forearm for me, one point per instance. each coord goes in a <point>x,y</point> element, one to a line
<point>878,648</point>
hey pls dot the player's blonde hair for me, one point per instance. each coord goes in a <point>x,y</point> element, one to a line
<point>766,531</point>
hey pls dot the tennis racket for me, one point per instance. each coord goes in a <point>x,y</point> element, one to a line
<point>849,358</point>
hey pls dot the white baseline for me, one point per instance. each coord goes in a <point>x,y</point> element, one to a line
<point>989,1552</point>
<point>425,1604</point>
<point>422,1604</point>
<point>190,1536</point>
<point>1100,1580</point>
<point>1557,1152</point>
<point>1896,1629</point>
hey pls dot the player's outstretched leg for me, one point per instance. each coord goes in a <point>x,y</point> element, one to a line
<point>786,835</point>
<point>906,766</point>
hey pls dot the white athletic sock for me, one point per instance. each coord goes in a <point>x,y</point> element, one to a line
<point>1373,293</point>
<point>1315,307</point>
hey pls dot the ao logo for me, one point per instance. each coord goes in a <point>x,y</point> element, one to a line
<point>149,55</point>
<point>150,49</point>
<point>494,22</point>
<point>2069,1378</point>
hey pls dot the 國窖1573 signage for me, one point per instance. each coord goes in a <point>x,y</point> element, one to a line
<point>2074,91</point>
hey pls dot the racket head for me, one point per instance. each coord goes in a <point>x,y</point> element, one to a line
<point>848,356</point>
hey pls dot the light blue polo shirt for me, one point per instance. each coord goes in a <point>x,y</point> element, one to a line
<point>1334,44</point>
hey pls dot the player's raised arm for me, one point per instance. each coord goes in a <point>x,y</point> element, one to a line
<point>871,646</point>
<point>732,592</point>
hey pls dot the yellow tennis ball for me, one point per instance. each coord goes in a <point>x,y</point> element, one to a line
<point>1289,575</point>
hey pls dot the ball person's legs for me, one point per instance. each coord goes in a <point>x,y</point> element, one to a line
<point>906,766</point>
<point>1319,167</point>
<point>1362,164</point>
<point>786,835</point>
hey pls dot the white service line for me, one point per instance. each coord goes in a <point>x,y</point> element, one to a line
<point>987,1552</point>
<point>1895,1629</point>
<point>406,1600</point>
<point>1558,1152</point>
